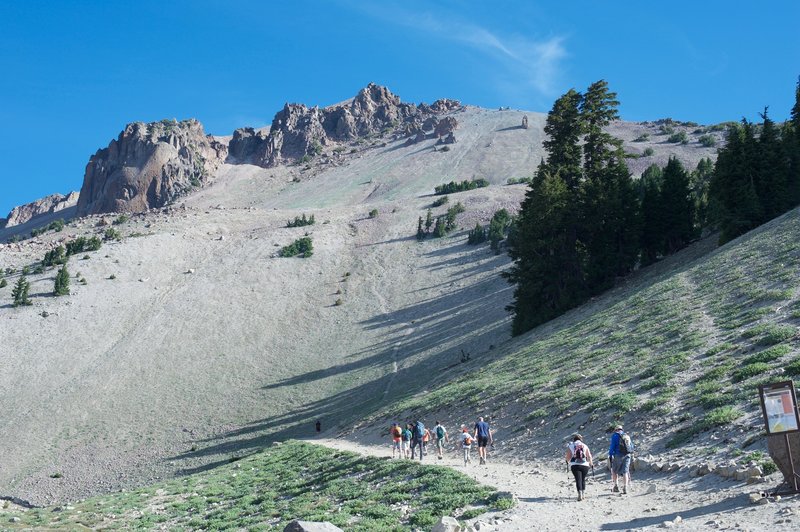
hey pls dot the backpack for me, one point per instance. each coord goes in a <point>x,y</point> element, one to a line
<point>406,435</point>
<point>580,453</point>
<point>420,430</point>
<point>440,432</point>
<point>625,444</point>
<point>468,440</point>
<point>397,432</point>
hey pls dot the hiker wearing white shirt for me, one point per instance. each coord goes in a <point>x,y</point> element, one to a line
<point>466,444</point>
<point>579,458</point>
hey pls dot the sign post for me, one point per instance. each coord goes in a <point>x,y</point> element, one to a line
<point>781,417</point>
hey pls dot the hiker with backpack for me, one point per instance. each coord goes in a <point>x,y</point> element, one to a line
<point>484,436</point>
<point>441,438</point>
<point>466,444</point>
<point>620,455</point>
<point>425,439</point>
<point>579,459</point>
<point>406,437</point>
<point>396,433</point>
<point>417,435</point>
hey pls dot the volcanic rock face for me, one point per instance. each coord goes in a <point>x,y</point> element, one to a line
<point>298,131</point>
<point>48,204</point>
<point>148,166</point>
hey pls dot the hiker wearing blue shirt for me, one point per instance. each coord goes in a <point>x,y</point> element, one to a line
<point>620,454</point>
<point>418,433</point>
<point>484,436</point>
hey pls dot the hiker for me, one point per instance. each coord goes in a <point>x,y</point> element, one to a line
<point>484,436</point>
<point>441,437</point>
<point>620,454</point>
<point>318,426</point>
<point>396,433</point>
<point>579,459</point>
<point>418,433</point>
<point>405,444</point>
<point>466,444</point>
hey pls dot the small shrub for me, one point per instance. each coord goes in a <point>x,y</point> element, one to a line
<point>768,467</point>
<point>112,234</point>
<point>648,152</point>
<point>519,181</point>
<point>339,302</point>
<point>302,247</point>
<point>644,137</point>
<point>793,368</point>
<point>708,141</point>
<point>679,137</point>
<point>56,475</point>
<point>3,283</point>
<point>750,370</point>
<point>121,219</point>
<point>373,213</point>
<point>454,186</point>
<point>777,334</point>
<point>768,355</point>
<point>26,270</point>
<point>112,277</point>
<point>440,201</point>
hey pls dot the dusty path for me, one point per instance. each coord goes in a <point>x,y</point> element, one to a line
<point>547,498</point>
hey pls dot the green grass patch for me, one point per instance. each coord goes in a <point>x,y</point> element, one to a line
<point>750,370</point>
<point>768,355</point>
<point>717,417</point>
<point>294,480</point>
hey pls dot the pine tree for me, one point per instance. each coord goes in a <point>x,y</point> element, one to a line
<point>564,129</point>
<point>440,229</point>
<point>421,233</point>
<point>541,246</point>
<point>699,183</point>
<point>498,228</point>
<point>476,235</point>
<point>677,208</point>
<point>428,221</point>
<point>20,292</point>
<point>610,213</point>
<point>652,236</point>
<point>61,287</point>
<point>733,186</point>
<point>772,171</point>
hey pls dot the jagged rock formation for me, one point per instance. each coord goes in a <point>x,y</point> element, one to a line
<point>525,122</point>
<point>299,132</point>
<point>148,166</point>
<point>47,205</point>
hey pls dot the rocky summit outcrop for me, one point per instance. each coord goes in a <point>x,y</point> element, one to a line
<point>47,205</point>
<point>299,132</point>
<point>148,166</point>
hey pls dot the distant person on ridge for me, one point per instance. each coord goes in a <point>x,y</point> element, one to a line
<point>484,436</point>
<point>620,453</point>
<point>396,433</point>
<point>441,437</point>
<point>579,458</point>
<point>407,435</point>
<point>466,444</point>
<point>417,433</point>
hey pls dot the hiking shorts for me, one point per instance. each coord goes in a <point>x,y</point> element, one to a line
<point>440,444</point>
<point>396,444</point>
<point>483,441</point>
<point>621,464</point>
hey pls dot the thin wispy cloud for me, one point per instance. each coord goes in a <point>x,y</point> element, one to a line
<point>524,62</point>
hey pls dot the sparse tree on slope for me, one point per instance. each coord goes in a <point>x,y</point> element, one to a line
<point>20,292</point>
<point>61,286</point>
<point>677,211</point>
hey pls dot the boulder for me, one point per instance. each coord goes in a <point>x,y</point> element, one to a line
<point>525,122</point>
<point>310,526</point>
<point>704,470</point>
<point>445,126</point>
<point>446,524</point>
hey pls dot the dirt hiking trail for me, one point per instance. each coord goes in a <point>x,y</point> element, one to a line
<point>547,499</point>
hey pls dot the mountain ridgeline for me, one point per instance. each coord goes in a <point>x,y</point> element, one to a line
<point>150,165</point>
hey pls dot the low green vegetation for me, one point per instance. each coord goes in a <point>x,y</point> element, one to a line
<point>56,226</point>
<point>301,221</point>
<point>20,292</point>
<point>455,186</point>
<point>302,247</point>
<point>373,213</point>
<point>294,480</point>
<point>679,138</point>
<point>438,202</point>
<point>61,285</point>
<point>519,181</point>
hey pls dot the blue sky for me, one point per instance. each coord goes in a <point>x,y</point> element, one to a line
<point>74,73</point>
